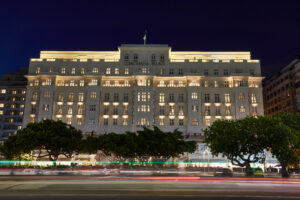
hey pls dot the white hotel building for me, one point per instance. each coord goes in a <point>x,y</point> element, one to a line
<point>142,85</point>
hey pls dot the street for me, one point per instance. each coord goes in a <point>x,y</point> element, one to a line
<point>146,187</point>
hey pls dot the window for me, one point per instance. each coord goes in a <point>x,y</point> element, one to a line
<point>253,98</point>
<point>153,58</point>
<point>161,84</point>
<point>180,98</point>
<point>93,95</point>
<point>116,97</point>
<point>105,122</point>
<point>226,72</point>
<point>82,71</point>
<point>205,83</point>
<point>125,97</point>
<point>194,108</point>
<point>73,71</point>
<point>1,105</point>
<point>180,122</point>
<point>226,84</point>
<point>37,70</point>
<point>72,83</point>
<point>216,72</point>
<point>36,82</point>
<point>3,91</point>
<point>161,110</point>
<point>206,98</point>
<point>241,96</point>
<point>63,70</point>
<point>242,109</point>
<point>142,82</point>
<point>227,98</point>
<point>135,57</point>
<point>70,110</point>
<point>34,96</point>
<point>126,57</point>
<point>161,97</point>
<point>69,121</point>
<point>71,96</point>
<point>126,71</point>
<point>171,97</point>
<point>116,110</point>
<point>217,98</point>
<point>180,84</point>
<point>171,84</point>
<point>47,94</point>
<point>79,110</point>
<point>107,71</point>
<point>207,122</point>
<point>95,70</point>
<point>218,111</point>
<point>80,96</point>
<point>60,97</point>
<point>106,97</point>
<point>194,95</point>
<point>125,122</point>
<point>251,71</point>
<point>93,82</point>
<point>180,71</point>
<point>171,110</point>
<point>162,58</point>
<point>161,122</point>
<point>171,71</point>
<point>216,84</point>
<point>207,110</point>
<point>171,122</point>
<point>227,110</point>
<point>79,121</point>
<point>117,71</point>
<point>240,83</point>
<point>195,122</point>
<point>205,71</point>
<point>81,83</point>
<point>92,107</point>
<point>106,110</point>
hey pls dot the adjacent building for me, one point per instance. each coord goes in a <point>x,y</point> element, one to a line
<point>282,90</point>
<point>12,101</point>
<point>143,85</point>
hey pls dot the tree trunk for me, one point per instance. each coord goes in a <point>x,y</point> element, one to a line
<point>249,171</point>
<point>284,171</point>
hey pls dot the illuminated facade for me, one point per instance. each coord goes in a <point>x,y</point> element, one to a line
<point>282,90</point>
<point>142,85</point>
<point>12,100</point>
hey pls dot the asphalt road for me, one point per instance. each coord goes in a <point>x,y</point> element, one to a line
<point>115,188</point>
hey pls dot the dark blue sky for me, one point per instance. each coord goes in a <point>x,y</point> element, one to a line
<point>270,30</point>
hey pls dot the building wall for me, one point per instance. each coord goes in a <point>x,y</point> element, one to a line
<point>184,90</point>
<point>12,100</point>
<point>282,90</point>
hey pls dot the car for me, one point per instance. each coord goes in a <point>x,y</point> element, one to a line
<point>223,172</point>
<point>258,172</point>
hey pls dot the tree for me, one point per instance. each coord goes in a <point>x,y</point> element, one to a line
<point>145,143</point>
<point>48,138</point>
<point>240,141</point>
<point>90,145</point>
<point>283,139</point>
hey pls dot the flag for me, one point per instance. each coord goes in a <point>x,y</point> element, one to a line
<point>144,38</point>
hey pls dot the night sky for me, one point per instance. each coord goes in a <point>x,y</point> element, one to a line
<point>270,30</point>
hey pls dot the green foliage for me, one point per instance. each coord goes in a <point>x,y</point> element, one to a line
<point>90,145</point>
<point>243,141</point>
<point>49,138</point>
<point>240,141</point>
<point>146,143</point>
<point>283,139</point>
